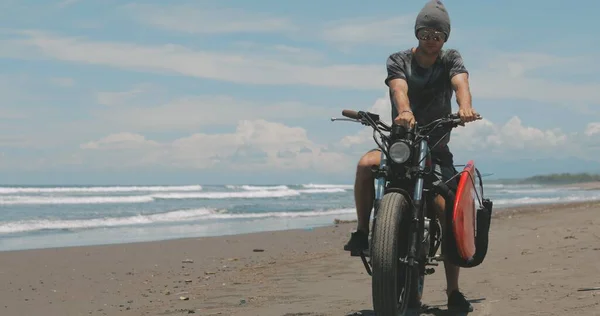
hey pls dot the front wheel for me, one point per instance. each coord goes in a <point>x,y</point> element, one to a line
<point>394,283</point>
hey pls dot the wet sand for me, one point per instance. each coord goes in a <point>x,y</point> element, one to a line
<point>539,259</point>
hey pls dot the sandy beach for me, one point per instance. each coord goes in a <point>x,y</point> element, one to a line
<point>539,260</point>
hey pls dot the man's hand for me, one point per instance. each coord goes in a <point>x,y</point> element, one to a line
<point>406,119</point>
<point>468,114</point>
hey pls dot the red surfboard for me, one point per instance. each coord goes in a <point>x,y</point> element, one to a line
<point>464,216</point>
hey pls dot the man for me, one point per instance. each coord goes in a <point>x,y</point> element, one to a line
<point>421,82</point>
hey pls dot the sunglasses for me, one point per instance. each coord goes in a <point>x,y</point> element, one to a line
<point>426,35</point>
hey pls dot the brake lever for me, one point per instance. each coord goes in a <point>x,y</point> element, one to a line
<point>344,119</point>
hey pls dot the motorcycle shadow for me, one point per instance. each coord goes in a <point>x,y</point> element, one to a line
<point>440,310</point>
<point>425,310</point>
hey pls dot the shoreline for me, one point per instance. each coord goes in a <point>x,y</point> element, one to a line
<point>529,270</point>
<point>498,212</point>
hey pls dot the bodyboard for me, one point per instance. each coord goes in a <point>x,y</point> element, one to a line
<point>464,215</point>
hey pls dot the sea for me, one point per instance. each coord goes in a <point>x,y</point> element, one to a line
<point>57,216</point>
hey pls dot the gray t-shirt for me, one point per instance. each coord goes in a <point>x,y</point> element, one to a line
<point>429,89</point>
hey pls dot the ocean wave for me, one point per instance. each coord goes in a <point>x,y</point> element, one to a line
<point>229,195</point>
<point>282,214</point>
<point>99,189</point>
<point>543,200</point>
<point>331,190</point>
<point>328,186</point>
<point>257,188</point>
<point>21,200</point>
<point>533,191</point>
<point>510,186</point>
<point>253,194</point>
<point>173,216</point>
<point>33,225</point>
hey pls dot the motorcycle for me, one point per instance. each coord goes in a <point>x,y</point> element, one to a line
<point>406,232</point>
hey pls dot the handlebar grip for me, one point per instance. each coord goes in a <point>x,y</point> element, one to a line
<point>351,114</point>
<point>456,116</point>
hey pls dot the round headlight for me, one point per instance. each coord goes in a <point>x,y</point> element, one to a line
<point>399,152</point>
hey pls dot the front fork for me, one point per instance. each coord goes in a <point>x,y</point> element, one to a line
<point>380,184</point>
<point>418,218</point>
<point>417,211</point>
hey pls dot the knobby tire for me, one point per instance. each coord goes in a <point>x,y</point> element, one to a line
<point>389,244</point>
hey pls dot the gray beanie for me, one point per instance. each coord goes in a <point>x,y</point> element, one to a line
<point>434,15</point>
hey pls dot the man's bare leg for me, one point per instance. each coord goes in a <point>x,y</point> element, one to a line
<point>364,194</point>
<point>456,300</point>
<point>452,271</point>
<point>364,189</point>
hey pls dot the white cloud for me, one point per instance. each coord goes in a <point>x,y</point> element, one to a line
<point>113,98</point>
<point>63,82</point>
<point>140,112</point>
<point>16,142</point>
<point>490,85</point>
<point>121,141</point>
<point>507,138</point>
<point>391,31</point>
<point>592,129</point>
<point>279,52</point>
<point>514,76</point>
<point>66,3</point>
<point>255,145</point>
<point>363,140</point>
<point>507,78</point>
<point>204,20</point>
<point>10,114</point>
<point>519,64</point>
<point>511,138</point>
<point>203,64</point>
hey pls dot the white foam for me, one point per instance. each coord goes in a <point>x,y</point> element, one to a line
<point>542,200</point>
<point>328,186</point>
<point>249,194</point>
<point>257,188</point>
<point>33,225</point>
<point>332,190</point>
<point>510,186</point>
<point>282,214</point>
<point>13,190</point>
<point>174,216</point>
<point>229,195</point>
<point>19,200</point>
<point>533,191</point>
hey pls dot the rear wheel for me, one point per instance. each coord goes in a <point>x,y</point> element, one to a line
<point>394,283</point>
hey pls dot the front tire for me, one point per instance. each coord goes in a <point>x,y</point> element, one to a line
<point>394,284</point>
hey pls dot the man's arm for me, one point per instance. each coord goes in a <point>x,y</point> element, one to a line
<point>460,84</point>
<point>396,81</point>
<point>459,77</point>
<point>399,94</point>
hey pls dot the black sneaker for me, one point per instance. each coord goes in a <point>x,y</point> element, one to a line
<point>359,241</point>
<point>458,303</point>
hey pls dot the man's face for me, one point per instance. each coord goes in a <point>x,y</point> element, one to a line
<point>431,41</point>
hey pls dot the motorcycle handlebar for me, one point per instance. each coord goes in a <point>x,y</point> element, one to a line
<point>351,114</point>
<point>356,116</point>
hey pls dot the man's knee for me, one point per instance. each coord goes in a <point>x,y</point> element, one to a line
<point>367,162</point>
<point>440,205</point>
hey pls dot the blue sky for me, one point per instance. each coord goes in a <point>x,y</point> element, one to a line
<point>242,91</point>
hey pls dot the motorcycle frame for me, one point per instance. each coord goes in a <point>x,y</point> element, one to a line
<point>419,210</point>
<point>421,194</point>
